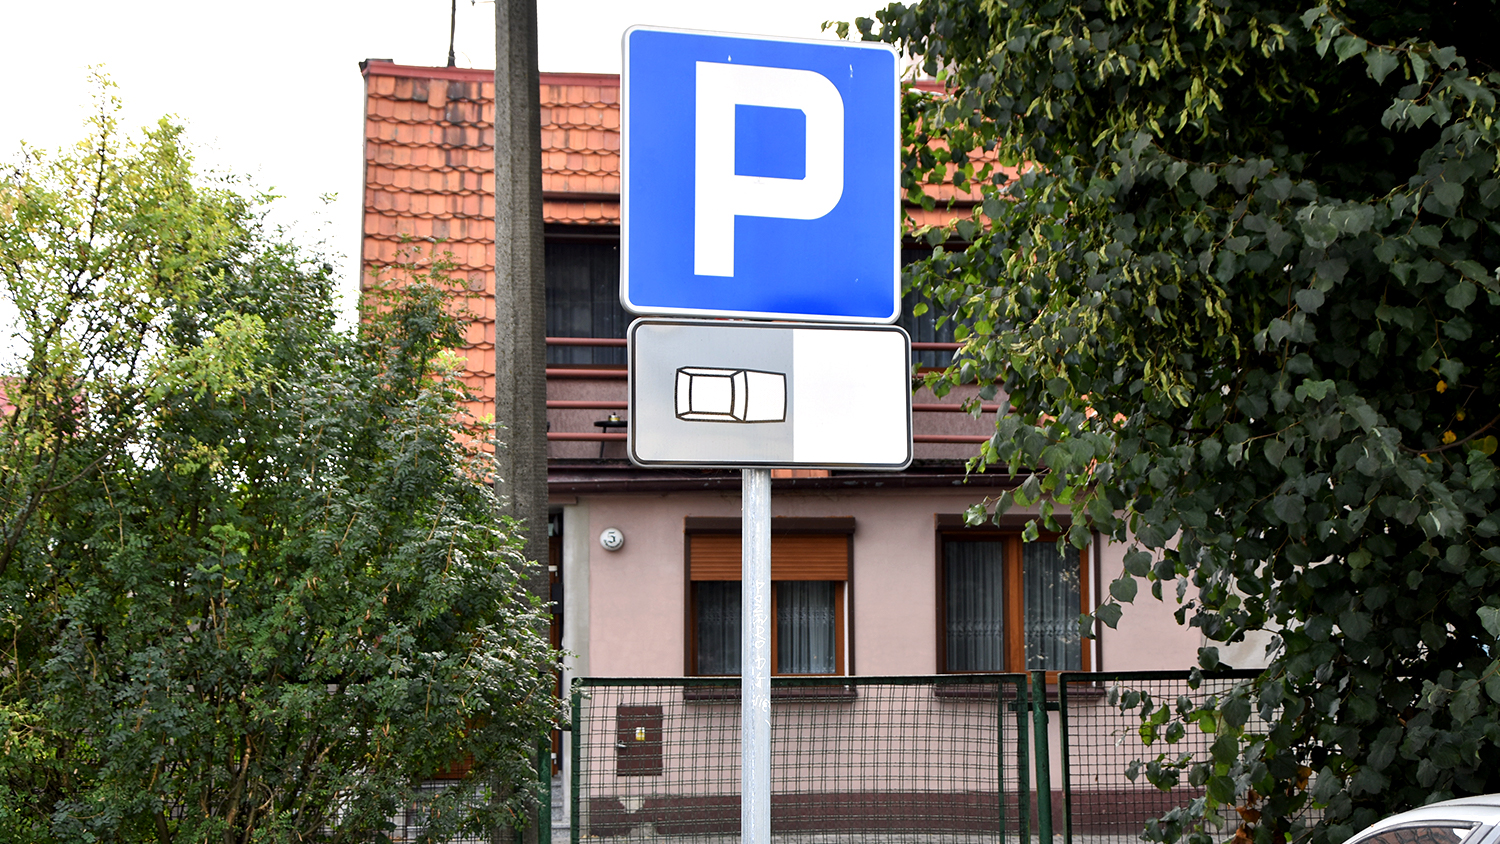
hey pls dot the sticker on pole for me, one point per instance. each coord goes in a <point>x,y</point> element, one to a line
<point>742,394</point>
<point>759,178</point>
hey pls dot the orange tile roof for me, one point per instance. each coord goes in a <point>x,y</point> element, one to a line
<point>429,186</point>
<point>580,148</point>
<point>429,177</point>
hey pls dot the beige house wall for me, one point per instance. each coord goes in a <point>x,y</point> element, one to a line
<point>636,596</point>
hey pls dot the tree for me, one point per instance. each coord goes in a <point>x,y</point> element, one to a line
<point>253,586</point>
<point>1238,298</point>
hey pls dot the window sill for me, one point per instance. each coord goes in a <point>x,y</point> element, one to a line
<point>731,694</point>
<point>974,691</point>
<point>1008,691</point>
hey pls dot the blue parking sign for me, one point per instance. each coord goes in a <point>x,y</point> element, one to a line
<point>759,178</point>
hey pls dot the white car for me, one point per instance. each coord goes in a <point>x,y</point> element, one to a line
<point>1466,820</point>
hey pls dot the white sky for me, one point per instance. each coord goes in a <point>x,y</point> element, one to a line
<point>272,89</point>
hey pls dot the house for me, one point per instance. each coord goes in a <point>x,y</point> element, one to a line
<point>875,572</point>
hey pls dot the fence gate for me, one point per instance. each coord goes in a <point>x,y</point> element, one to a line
<point>1100,738</point>
<point>933,758</point>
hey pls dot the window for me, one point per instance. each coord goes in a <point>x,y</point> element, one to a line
<point>809,589</point>
<point>923,328</point>
<point>1009,605</point>
<point>583,298</point>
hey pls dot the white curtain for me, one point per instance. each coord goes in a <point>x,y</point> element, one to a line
<point>1050,590</point>
<point>805,620</point>
<point>975,593</point>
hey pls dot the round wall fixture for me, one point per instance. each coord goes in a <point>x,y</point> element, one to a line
<point>612,539</point>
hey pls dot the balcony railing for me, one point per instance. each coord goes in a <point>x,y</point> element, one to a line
<point>620,374</point>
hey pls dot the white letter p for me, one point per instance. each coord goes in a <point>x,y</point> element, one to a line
<point>720,194</point>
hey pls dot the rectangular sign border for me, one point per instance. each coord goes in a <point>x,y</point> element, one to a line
<point>757,464</point>
<point>624,289</point>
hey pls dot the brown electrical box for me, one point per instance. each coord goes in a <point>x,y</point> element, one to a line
<point>638,751</point>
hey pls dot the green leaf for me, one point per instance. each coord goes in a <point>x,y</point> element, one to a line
<point>1310,300</point>
<point>1236,712</point>
<point>1221,789</point>
<point>1147,733</point>
<point>1348,45</point>
<point>1472,270</point>
<point>1274,451</point>
<point>1123,589</point>
<point>1277,238</point>
<point>1109,614</point>
<point>1174,732</point>
<point>1380,62</point>
<point>1203,180</point>
<point>1461,294</point>
<point>1448,195</point>
<point>1465,704</point>
<point>1315,390</point>
<point>1489,617</point>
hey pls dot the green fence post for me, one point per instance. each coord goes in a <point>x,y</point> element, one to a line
<point>1043,757</point>
<point>1019,706</point>
<point>575,755</point>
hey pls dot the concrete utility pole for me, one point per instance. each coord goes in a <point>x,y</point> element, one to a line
<point>520,292</point>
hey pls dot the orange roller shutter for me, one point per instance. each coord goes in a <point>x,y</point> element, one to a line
<point>793,557</point>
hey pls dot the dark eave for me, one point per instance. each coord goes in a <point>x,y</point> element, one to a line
<point>572,477</point>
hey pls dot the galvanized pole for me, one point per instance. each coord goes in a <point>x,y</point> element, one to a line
<point>755,658</point>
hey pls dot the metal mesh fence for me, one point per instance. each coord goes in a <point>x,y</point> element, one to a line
<point>408,825</point>
<point>899,759</point>
<point>1101,804</point>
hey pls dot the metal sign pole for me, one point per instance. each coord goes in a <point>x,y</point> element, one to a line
<point>755,658</point>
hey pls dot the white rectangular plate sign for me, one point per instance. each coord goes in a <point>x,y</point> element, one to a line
<point>718,393</point>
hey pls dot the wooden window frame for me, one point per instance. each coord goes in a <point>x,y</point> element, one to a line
<point>1008,532</point>
<point>843,593</point>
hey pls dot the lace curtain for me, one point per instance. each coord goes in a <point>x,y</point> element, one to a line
<point>718,626</point>
<point>1050,590</point>
<point>805,621</point>
<point>975,605</point>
